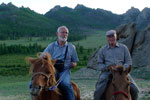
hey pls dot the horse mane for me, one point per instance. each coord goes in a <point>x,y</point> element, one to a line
<point>41,59</point>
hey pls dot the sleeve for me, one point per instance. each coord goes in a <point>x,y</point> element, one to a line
<point>127,58</point>
<point>74,57</point>
<point>101,62</point>
<point>48,49</point>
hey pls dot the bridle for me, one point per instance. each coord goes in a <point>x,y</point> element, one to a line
<point>120,92</point>
<point>47,87</point>
<point>38,86</point>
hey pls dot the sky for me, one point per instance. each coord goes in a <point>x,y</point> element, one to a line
<point>115,6</point>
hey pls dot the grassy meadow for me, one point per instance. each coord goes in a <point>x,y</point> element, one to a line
<point>92,41</point>
<point>15,87</point>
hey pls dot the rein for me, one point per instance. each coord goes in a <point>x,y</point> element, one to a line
<point>60,79</point>
<point>40,87</point>
<point>121,92</point>
<point>48,77</point>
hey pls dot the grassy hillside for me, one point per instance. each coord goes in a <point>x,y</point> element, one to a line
<point>94,40</point>
<point>13,62</point>
<point>32,40</point>
<point>23,22</point>
<point>19,22</point>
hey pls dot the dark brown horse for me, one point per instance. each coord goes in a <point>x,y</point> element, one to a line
<point>43,82</point>
<point>119,87</point>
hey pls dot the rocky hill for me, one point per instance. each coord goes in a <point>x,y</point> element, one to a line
<point>83,17</point>
<point>20,22</point>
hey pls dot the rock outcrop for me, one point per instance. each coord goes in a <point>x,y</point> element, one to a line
<point>143,19</point>
<point>130,15</point>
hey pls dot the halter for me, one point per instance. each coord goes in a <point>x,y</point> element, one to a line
<point>120,92</point>
<point>41,87</point>
<point>51,88</point>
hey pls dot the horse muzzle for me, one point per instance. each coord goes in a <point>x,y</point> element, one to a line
<point>35,90</point>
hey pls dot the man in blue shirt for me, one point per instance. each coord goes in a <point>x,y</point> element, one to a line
<point>57,50</point>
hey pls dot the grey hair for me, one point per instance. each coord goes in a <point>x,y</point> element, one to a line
<point>58,30</point>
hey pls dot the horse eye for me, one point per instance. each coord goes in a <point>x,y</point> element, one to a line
<point>47,72</point>
<point>43,77</point>
<point>114,85</point>
<point>127,78</point>
<point>113,79</point>
<point>39,87</point>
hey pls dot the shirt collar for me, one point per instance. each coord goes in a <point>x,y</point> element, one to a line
<point>56,43</point>
<point>117,45</point>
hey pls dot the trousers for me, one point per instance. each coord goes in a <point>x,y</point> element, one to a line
<point>65,85</point>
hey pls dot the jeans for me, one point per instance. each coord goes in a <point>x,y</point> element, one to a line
<point>65,85</point>
<point>101,85</point>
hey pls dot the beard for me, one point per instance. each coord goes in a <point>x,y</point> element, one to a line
<point>62,39</point>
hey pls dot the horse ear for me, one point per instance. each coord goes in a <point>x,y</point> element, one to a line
<point>112,69</point>
<point>53,61</point>
<point>30,60</point>
<point>129,69</point>
<point>46,56</point>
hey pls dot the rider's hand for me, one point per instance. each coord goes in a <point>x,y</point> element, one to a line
<point>112,65</point>
<point>74,64</point>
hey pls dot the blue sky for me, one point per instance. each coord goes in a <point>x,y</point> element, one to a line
<point>116,6</point>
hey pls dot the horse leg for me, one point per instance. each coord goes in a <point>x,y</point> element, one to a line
<point>108,92</point>
<point>76,91</point>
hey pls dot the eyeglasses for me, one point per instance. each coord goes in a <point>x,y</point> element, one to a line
<point>64,32</point>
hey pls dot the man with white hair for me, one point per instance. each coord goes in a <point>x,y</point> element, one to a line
<point>111,55</point>
<point>65,54</point>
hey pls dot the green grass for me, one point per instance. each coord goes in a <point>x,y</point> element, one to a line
<point>17,65</point>
<point>27,41</point>
<point>13,59</point>
<point>144,86</point>
<point>93,41</point>
<point>141,73</point>
<point>16,88</point>
<point>14,85</point>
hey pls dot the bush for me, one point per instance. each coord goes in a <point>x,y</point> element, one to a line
<point>13,70</point>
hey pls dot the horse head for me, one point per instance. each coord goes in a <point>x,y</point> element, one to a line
<point>120,83</point>
<point>43,74</point>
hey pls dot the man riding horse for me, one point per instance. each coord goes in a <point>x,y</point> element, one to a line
<point>111,55</point>
<point>66,57</point>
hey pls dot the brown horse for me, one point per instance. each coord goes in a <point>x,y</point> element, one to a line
<point>43,82</point>
<point>119,87</point>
